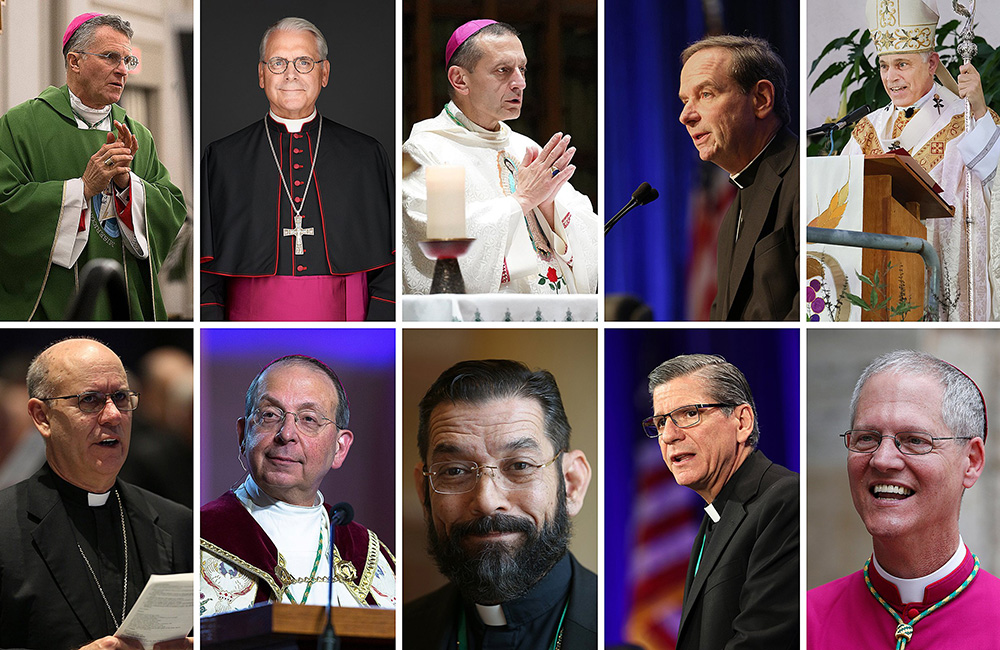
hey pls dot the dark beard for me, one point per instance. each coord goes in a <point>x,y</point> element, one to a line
<point>498,571</point>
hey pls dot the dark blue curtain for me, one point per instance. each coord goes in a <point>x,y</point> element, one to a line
<point>648,252</point>
<point>769,358</point>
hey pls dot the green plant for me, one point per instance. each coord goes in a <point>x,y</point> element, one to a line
<point>878,297</point>
<point>862,84</point>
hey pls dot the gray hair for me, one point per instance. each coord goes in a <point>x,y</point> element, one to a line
<point>753,59</point>
<point>84,34</point>
<point>963,409</point>
<point>39,379</point>
<point>293,24</point>
<point>343,414</point>
<point>725,382</point>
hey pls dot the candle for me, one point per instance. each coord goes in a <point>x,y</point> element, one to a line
<point>445,202</point>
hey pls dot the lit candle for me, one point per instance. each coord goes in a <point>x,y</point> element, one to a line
<point>445,202</point>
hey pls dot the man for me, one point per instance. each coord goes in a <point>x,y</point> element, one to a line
<point>80,180</point>
<point>928,121</point>
<point>736,112</point>
<point>298,211</point>
<point>534,233</point>
<point>77,545</point>
<point>499,483</point>
<point>741,589</point>
<point>917,442</point>
<point>269,539</point>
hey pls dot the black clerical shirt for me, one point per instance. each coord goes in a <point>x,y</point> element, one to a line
<point>532,620</point>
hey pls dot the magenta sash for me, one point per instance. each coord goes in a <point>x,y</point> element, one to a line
<point>301,298</point>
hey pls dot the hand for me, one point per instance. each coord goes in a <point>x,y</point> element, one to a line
<point>536,185</point>
<point>971,86</point>
<point>98,173</point>
<point>126,139</point>
<point>113,643</point>
<point>186,643</point>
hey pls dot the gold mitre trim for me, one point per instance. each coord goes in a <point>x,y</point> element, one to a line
<point>902,26</point>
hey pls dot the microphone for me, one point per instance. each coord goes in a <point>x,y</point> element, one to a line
<point>641,196</point>
<point>850,118</point>
<point>340,515</point>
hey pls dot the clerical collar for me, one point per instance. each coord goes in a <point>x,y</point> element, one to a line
<point>745,177</point>
<point>718,504</point>
<point>293,126</point>
<point>461,120</point>
<point>911,590</point>
<point>712,513</point>
<point>540,600</point>
<point>78,495</point>
<point>920,102</point>
<point>89,116</point>
<point>252,492</point>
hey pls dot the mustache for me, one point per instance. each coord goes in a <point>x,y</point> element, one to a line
<point>498,523</point>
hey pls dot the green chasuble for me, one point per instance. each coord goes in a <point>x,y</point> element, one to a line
<point>40,147</point>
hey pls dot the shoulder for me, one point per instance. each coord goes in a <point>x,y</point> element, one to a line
<point>583,578</point>
<point>830,594</point>
<point>435,606</point>
<point>162,507</point>
<point>236,140</point>
<point>349,136</point>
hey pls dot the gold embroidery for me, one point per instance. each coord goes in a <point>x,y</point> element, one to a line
<point>209,547</point>
<point>864,134</point>
<point>933,150</point>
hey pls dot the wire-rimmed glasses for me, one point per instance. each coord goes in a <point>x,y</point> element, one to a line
<point>460,476</point>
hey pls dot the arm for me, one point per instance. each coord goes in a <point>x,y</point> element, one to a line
<point>769,599</point>
<point>980,147</point>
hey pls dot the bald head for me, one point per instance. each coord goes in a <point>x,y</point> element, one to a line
<point>85,448</point>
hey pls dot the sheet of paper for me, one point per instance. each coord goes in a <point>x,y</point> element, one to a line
<point>165,610</point>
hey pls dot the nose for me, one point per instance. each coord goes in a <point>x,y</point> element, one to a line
<point>518,80</point>
<point>488,497</point>
<point>887,456</point>
<point>288,432</point>
<point>110,413</point>
<point>688,114</point>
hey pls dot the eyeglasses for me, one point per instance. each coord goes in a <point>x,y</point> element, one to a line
<point>911,443</point>
<point>272,418</point>
<point>459,477</point>
<point>95,401</point>
<point>303,64</point>
<point>115,59</point>
<point>682,417</point>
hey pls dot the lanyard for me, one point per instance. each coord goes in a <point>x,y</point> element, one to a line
<point>463,636</point>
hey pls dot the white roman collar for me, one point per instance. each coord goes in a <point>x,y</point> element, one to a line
<point>95,500</point>
<point>491,614</point>
<point>712,513</point>
<point>911,590</point>
<point>733,177</point>
<point>293,126</point>
<point>90,115</point>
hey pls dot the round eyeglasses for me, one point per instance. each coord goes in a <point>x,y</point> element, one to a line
<point>911,443</point>
<point>115,59</point>
<point>459,477</point>
<point>278,65</point>
<point>270,419</point>
<point>94,401</point>
<point>683,417</point>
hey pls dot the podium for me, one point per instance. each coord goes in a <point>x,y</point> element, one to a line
<point>898,193</point>
<point>282,626</point>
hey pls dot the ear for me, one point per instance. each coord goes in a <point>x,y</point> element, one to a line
<point>456,77</point>
<point>420,482</point>
<point>344,439</point>
<point>576,472</point>
<point>260,73</point>
<point>744,416</point>
<point>324,73</point>
<point>976,455</point>
<point>933,62</point>
<point>241,433</point>
<point>762,96</point>
<point>73,61</point>
<point>37,410</point>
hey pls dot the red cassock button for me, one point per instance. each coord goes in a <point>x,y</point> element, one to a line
<point>912,613</point>
<point>298,199</point>
<point>296,135</point>
<point>296,151</point>
<point>297,166</point>
<point>297,183</point>
<point>300,268</point>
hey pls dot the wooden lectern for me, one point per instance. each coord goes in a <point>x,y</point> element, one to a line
<point>898,193</point>
<point>282,626</point>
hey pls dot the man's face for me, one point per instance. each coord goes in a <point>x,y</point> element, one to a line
<point>494,90</point>
<point>288,464</point>
<point>932,484</point>
<point>292,95</point>
<point>101,84</point>
<point>717,114</point>
<point>704,456</point>
<point>86,449</point>
<point>907,77</point>
<point>483,539</point>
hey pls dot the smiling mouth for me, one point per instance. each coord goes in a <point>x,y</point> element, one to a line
<point>109,442</point>
<point>890,492</point>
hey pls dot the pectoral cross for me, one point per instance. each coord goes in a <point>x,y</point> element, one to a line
<point>297,232</point>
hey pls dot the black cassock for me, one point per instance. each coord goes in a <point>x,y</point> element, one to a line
<point>245,211</point>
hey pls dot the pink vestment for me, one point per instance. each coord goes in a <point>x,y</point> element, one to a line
<point>844,614</point>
